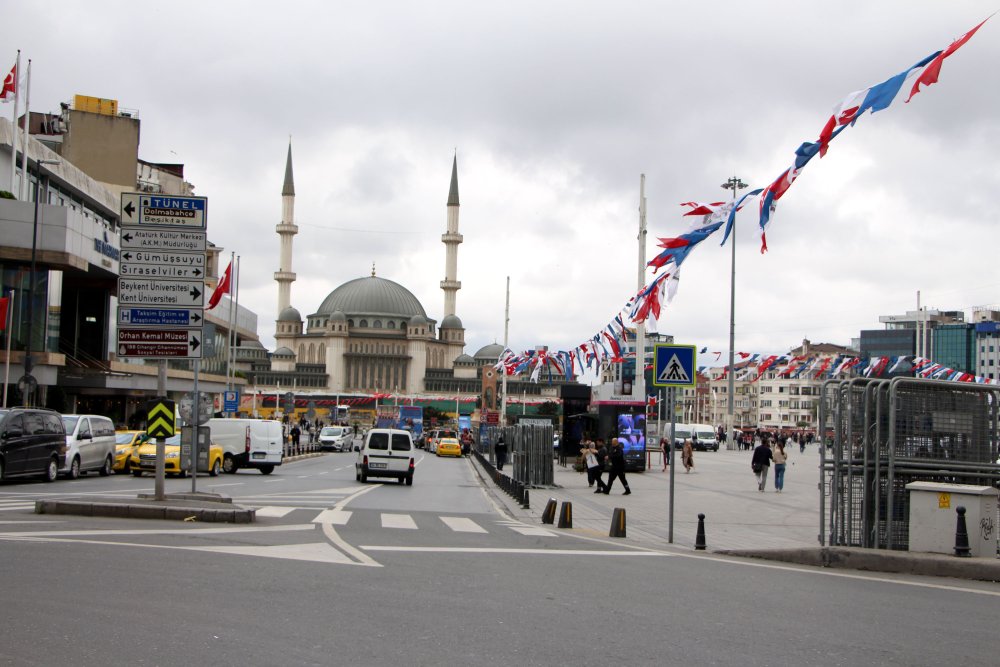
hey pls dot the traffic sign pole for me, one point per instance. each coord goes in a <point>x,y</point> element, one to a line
<point>195,427</point>
<point>673,429</point>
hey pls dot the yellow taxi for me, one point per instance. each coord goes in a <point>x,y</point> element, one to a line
<point>125,443</point>
<point>449,447</point>
<point>143,458</point>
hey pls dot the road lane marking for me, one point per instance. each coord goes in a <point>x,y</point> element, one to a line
<point>362,558</point>
<point>533,531</point>
<point>498,550</point>
<point>274,511</point>
<point>462,524</point>
<point>160,531</point>
<point>319,552</point>
<point>336,517</point>
<point>404,521</point>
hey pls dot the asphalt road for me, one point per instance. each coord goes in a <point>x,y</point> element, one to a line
<point>336,572</point>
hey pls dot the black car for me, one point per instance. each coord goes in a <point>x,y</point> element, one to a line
<point>32,442</point>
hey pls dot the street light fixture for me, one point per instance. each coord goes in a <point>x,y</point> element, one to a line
<point>28,382</point>
<point>734,184</point>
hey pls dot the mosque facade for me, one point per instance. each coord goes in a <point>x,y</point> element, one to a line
<point>371,334</point>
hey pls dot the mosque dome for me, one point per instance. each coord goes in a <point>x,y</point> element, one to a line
<point>489,352</point>
<point>418,320</point>
<point>372,295</point>
<point>464,359</point>
<point>289,315</point>
<point>283,352</point>
<point>338,316</point>
<point>451,322</point>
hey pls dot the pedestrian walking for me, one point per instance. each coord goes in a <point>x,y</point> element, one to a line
<point>602,462</point>
<point>780,458</point>
<point>760,463</point>
<point>617,458</point>
<point>500,449</point>
<point>687,456</point>
<point>295,433</point>
<point>665,451</point>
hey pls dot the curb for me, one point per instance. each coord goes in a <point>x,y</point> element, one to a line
<point>880,560</point>
<point>171,509</point>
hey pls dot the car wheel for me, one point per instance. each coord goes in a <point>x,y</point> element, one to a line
<point>228,465</point>
<point>74,468</point>
<point>137,473</point>
<point>364,477</point>
<point>106,468</point>
<point>401,480</point>
<point>409,480</point>
<point>266,470</point>
<point>126,467</point>
<point>357,476</point>
<point>182,474</point>
<point>1,469</point>
<point>51,470</point>
<point>216,469</point>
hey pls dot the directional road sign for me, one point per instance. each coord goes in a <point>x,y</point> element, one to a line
<point>164,211</point>
<point>161,343</point>
<point>674,365</point>
<point>160,418</point>
<point>161,317</point>
<point>175,292</point>
<point>162,264</point>
<point>139,238</point>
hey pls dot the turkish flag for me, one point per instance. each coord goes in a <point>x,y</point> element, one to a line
<point>9,85</point>
<point>221,288</point>
<point>4,303</point>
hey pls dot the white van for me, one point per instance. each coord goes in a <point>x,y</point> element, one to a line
<point>336,438</point>
<point>387,452</point>
<point>248,443</point>
<point>90,445</point>
<point>681,433</point>
<point>704,438</point>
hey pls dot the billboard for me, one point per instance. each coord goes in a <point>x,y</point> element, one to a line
<point>411,418</point>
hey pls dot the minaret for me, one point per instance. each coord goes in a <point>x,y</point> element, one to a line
<point>451,239</point>
<point>286,229</point>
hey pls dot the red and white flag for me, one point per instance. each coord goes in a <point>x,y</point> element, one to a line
<point>9,85</point>
<point>4,304</point>
<point>221,288</point>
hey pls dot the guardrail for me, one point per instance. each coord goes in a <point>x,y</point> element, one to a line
<point>509,485</point>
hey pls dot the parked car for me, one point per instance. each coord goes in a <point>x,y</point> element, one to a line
<point>144,458</point>
<point>126,442</point>
<point>386,452</point>
<point>90,445</point>
<point>32,442</point>
<point>336,438</point>
<point>449,447</point>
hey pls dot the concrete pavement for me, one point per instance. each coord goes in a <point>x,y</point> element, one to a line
<point>739,519</point>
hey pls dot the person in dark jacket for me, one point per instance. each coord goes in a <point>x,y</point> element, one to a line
<point>602,459</point>
<point>761,461</point>
<point>500,449</point>
<point>617,458</point>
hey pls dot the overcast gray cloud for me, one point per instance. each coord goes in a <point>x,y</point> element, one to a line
<point>555,109</point>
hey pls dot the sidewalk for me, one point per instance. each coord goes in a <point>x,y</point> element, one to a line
<point>739,520</point>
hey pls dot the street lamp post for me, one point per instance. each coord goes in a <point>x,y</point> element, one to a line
<point>734,184</point>
<point>29,381</point>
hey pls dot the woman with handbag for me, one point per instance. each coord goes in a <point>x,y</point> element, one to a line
<point>687,456</point>
<point>760,462</point>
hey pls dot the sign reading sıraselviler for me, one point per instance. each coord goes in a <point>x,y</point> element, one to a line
<point>161,283</point>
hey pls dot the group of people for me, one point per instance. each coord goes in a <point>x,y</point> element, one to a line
<point>687,454</point>
<point>598,458</point>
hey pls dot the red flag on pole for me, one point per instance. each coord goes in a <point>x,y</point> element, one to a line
<point>220,289</point>
<point>9,85</point>
<point>4,303</point>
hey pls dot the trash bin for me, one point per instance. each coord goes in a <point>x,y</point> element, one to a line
<point>933,518</point>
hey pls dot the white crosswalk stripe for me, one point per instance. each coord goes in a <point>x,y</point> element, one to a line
<point>335,516</point>
<point>462,524</point>
<point>273,511</point>
<point>404,521</point>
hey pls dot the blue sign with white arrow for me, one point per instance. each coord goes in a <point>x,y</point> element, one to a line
<point>160,317</point>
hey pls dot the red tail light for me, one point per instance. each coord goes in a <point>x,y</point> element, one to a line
<point>365,463</point>
<point>411,464</point>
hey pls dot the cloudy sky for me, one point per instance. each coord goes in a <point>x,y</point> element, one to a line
<point>555,109</point>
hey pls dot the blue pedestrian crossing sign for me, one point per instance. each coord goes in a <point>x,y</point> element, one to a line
<point>674,365</point>
<point>230,401</point>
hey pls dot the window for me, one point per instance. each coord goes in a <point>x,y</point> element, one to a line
<point>364,324</point>
<point>377,324</point>
<point>400,442</point>
<point>378,441</point>
<point>390,324</point>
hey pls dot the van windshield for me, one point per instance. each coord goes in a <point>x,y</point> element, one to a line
<point>682,434</point>
<point>70,422</point>
<point>705,434</point>
<point>378,441</point>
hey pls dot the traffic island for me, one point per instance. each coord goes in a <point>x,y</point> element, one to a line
<point>199,507</point>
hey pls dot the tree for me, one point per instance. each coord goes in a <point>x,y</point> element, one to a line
<point>549,408</point>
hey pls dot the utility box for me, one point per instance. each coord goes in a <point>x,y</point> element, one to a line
<point>933,517</point>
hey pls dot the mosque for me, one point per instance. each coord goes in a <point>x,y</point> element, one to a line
<point>371,334</point>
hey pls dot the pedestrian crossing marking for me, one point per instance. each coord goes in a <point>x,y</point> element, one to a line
<point>23,506</point>
<point>335,516</point>
<point>398,521</point>
<point>674,371</point>
<point>273,511</point>
<point>319,552</point>
<point>532,531</point>
<point>462,524</point>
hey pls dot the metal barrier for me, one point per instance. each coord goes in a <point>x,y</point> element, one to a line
<point>879,435</point>
<point>529,455</point>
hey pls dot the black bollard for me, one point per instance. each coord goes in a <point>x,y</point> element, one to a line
<point>699,540</point>
<point>962,536</point>
<point>566,515</point>
<point>524,503</point>
<point>549,515</point>
<point>618,523</point>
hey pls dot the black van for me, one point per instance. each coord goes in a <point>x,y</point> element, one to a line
<point>32,442</point>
